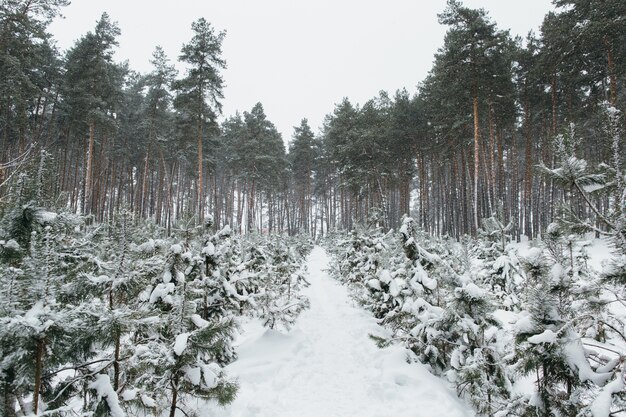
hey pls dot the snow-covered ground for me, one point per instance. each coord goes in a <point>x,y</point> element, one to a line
<point>327,366</point>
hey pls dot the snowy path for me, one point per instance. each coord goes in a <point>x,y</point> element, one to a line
<point>328,367</point>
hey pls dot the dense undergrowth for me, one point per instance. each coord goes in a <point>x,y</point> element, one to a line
<point>120,319</point>
<point>518,330</point>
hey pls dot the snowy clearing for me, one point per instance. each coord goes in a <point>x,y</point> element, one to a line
<point>328,366</point>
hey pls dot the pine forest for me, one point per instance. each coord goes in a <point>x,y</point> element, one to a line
<point>454,249</point>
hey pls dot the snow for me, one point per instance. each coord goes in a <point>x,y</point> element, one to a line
<point>590,188</point>
<point>385,276</point>
<point>548,336</point>
<point>601,406</point>
<point>599,252</point>
<point>181,343</point>
<point>209,249</point>
<point>46,216</point>
<point>524,323</point>
<point>162,291</point>
<point>374,284</point>
<point>473,291</point>
<point>422,277</point>
<point>199,321</point>
<point>211,373</point>
<point>194,374</point>
<point>575,356</point>
<point>148,401</point>
<point>532,255</point>
<point>395,286</point>
<point>226,231</point>
<point>328,366</point>
<point>10,244</point>
<point>104,389</point>
<point>129,394</point>
<point>147,247</point>
<point>33,318</point>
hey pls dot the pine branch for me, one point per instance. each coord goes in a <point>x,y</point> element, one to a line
<point>82,365</point>
<point>592,206</point>
<point>603,348</point>
<point>79,378</point>
<point>614,329</point>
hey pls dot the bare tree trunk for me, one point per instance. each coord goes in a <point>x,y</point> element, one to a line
<point>528,177</point>
<point>174,384</point>
<point>200,174</point>
<point>492,153</point>
<point>611,67</point>
<point>159,193</point>
<point>476,160</point>
<point>144,184</point>
<point>240,207</point>
<point>89,166</point>
<point>38,373</point>
<point>553,95</point>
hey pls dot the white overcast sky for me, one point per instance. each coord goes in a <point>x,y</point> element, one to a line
<point>298,58</point>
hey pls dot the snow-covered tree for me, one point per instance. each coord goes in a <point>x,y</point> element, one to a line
<point>41,327</point>
<point>177,352</point>
<point>280,300</point>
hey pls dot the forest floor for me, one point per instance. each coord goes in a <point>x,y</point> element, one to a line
<point>326,365</point>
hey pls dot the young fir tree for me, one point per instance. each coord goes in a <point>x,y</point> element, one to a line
<point>279,300</point>
<point>177,353</point>
<point>477,362</point>
<point>498,267</point>
<point>542,339</point>
<point>45,328</point>
<point>42,325</point>
<point>121,271</point>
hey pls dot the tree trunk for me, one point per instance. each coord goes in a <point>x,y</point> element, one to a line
<point>476,160</point>
<point>492,153</point>
<point>200,189</point>
<point>528,177</point>
<point>611,67</point>
<point>89,165</point>
<point>553,96</point>
<point>174,396</point>
<point>39,352</point>
<point>144,184</point>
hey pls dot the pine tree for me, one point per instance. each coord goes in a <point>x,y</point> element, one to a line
<point>158,119</point>
<point>474,59</point>
<point>302,158</point>
<point>200,92</point>
<point>30,67</point>
<point>44,329</point>
<point>177,354</point>
<point>91,91</point>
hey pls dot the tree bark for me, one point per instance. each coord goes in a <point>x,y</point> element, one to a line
<point>611,67</point>
<point>39,352</point>
<point>89,166</point>
<point>200,189</point>
<point>174,396</point>
<point>553,96</point>
<point>476,160</point>
<point>528,177</point>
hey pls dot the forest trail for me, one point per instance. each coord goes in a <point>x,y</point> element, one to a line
<point>328,366</point>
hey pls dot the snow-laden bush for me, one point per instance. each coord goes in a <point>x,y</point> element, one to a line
<point>488,315</point>
<point>117,318</point>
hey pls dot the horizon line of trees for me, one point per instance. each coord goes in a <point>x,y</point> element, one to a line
<point>461,148</point>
